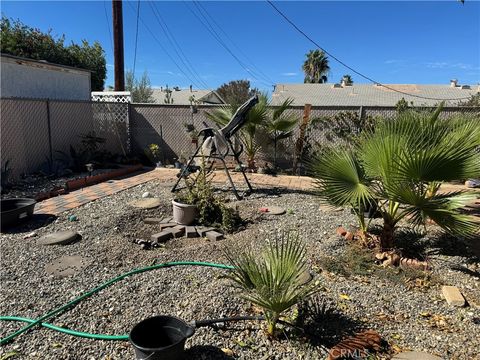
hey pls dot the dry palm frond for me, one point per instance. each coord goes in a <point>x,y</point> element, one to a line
<point>357,346</point>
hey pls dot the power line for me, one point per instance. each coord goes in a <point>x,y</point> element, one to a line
<point>258,70</point>
<point>349,67</point>
<point>108,24</point>
<point>175,45</point>
<point>205,22</point>
<point>136,38</point>
<point>218,38</point>
<point>161,45</point>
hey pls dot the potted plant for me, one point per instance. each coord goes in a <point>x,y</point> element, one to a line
<point>153,153</point>
<point>199,202</point>
<point>193,104</point>
<point>192,132</point>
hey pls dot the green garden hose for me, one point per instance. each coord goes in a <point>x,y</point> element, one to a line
<point>40,321</point>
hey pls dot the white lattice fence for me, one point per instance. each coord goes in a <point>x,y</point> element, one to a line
<point>111,117</point>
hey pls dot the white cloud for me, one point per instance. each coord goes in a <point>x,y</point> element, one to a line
<point>394,61</point>
<point>447,65</point>
<point>289,74</point>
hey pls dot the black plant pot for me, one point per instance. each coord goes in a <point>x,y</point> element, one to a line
<point>160,338</point>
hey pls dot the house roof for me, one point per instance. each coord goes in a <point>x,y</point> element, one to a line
<point>369,94</point>
<point>182,96</point>
<point>40,63</point>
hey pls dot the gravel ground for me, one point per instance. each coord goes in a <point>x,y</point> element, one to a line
<point>417,319</point>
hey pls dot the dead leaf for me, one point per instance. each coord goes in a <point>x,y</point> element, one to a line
<point>227,351</point>
<point>345,297</point>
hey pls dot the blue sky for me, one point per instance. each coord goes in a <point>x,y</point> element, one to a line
<point>398,42</point>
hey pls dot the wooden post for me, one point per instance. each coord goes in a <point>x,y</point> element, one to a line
<point>301,137</point>
<point>118,45</point>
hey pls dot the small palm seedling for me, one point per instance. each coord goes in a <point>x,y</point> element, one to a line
<point>273,279</point>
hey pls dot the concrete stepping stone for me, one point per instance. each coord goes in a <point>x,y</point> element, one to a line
<point>59,238</point>
<point>273,210</point>
<point>152,221</point>
<point>148,203</point>
<point>415,355</point>
<point>66,266</point>
<point>453,296</point>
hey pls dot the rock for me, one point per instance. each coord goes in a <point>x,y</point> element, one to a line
<point>472,183</point>
<point>59,238</point>
<point>273,210</point>
<point>30,235</point>
<point>341,231</point>
<point>146,194</point>
<point>453,296</point>
<point>415,355</point>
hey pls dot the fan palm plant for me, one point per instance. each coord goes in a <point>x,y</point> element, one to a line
<point>280,126</point>
<point>256,117</point>
<point>400,165</point>
<point>273,279</point>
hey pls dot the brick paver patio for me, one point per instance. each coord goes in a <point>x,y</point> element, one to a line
<point>59,204</point>
<point>80,197</point>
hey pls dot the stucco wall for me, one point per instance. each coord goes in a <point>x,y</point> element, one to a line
<point>30,79</point>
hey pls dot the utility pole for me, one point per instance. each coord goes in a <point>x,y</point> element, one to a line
<point>118,45</point>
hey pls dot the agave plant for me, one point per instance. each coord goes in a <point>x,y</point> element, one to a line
<point>256,117</point>
<point>272,280</point>
<point>399,165</point>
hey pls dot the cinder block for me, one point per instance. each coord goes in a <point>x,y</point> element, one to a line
<point>202,230</point>
<point>164,226</point>
<point>177,231</point>
<point>190,232</point>
<point>214,235</point>
<point>161,236</point>
<point>152,221</point>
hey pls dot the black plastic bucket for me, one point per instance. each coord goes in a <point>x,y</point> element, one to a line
<point>15,210</point>
<point>160,338</point>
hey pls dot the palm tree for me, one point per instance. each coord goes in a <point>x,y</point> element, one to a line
<point>399,165</point>
<point>347,78</point>
<point>280,126</point>
<point>315,67</point>
<point>256,117</point>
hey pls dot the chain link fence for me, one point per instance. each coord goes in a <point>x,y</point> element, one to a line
<point>165,125</point>
<point>34,132</point>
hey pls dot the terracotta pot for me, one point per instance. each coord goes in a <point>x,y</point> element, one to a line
<point>184,214</point>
